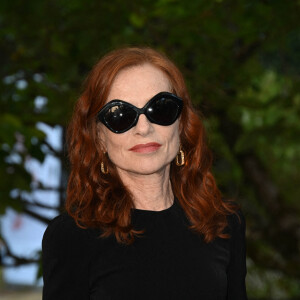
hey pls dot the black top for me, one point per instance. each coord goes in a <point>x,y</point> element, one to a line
<point>169,262</point>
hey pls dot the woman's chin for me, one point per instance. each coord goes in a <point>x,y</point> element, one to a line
<point>146,169</point>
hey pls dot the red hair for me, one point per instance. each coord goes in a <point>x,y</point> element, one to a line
<point>101,200</point>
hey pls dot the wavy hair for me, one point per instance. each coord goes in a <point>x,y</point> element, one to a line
<point>101,200</point>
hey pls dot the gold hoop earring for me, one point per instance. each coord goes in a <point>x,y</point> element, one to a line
<point>103,168</point>
<point>180,159</point>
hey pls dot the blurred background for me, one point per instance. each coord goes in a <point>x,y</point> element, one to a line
<point>241,61</point>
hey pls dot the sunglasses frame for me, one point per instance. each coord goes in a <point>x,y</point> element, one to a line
<point>139,111</point>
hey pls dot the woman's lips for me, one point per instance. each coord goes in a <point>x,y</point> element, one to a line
<point>145,148</point>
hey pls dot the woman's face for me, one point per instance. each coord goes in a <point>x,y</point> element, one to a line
<point>129,150</point>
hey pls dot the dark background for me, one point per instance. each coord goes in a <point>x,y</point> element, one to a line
<point>241,61</point>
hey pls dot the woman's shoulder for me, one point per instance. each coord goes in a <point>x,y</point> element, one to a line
<point>236,219</point>
<point>236,224</point>
<point>58,221</point>
<point>63,232</point>
<point>62,224</point>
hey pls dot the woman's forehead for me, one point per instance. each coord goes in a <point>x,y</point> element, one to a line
<point>138,84</point>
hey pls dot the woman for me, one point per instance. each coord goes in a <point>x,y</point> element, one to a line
<point>144,219</point>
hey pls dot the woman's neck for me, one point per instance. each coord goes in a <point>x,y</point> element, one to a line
<point>150,192</point>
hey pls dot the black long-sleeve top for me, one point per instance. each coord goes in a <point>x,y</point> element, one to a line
<point>168,262</point>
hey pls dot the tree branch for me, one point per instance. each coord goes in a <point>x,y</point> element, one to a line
<point>36,216</point>
<point>18,260</point>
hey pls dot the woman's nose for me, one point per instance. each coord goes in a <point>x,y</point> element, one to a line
<point>143,126</point>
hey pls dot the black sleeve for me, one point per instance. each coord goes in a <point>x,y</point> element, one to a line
<point>65,261</point>
<point>237,269</point>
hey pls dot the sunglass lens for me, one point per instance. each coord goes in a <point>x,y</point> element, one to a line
<point>163,111</point>
<point>120,117</point>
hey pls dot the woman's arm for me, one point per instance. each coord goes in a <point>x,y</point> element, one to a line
<point>237,269</point>
<point>65,261</point>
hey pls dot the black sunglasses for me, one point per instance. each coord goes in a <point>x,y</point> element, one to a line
<point>120,116</point>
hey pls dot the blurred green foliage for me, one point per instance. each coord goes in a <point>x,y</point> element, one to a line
<point>241,61</point>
